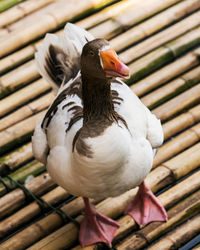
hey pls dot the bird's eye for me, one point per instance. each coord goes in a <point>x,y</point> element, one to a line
<point>91,53</point>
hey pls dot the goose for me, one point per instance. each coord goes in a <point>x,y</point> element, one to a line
<point>97,138</point>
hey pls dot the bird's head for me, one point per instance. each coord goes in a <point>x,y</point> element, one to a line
<point>99,60</point>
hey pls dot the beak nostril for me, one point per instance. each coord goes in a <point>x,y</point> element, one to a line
<point>113,64</point>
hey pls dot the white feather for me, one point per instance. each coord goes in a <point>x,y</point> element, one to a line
<point>39,144</point>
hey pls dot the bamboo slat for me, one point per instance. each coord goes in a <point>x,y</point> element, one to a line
<point>159,57</point>
<point>179,236</point>
<point>44,226</point>
<point>3,32</point>
<point>187,165</point>
<point>5,4</point>
<point>107,13</point>
<point>163,37</point>
<point>27,213</point>
<point>18,133</point>
<point>16,58</point>
<point>172,88</point>
<point>21,10</point>
<point>58,11</point>
<point>181,122</point>
<point>192,38</point>
<point>18,77</point>
<point>38,186</point>
<point>32,169</point>
<point>27,110</point>
<point>111,207</point>
<point>146,9</point>
<point>178,103</point>
<point>16,158</point>
<point>56,16</point>
<point>141,11</point>
<point>23,95</point>
<point>149,63</point>
<point>163,75</point>
<point>177,145</point>
<point>156,23</point>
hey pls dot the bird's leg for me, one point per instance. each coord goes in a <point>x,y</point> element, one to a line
<point>145,207</point>
<point>96,227</point>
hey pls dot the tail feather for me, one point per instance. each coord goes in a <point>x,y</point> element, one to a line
<point>58,57</point>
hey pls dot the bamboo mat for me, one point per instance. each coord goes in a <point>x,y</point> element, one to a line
<point>160,42</point>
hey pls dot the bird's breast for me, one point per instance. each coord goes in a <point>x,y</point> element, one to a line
<point>105,152</point>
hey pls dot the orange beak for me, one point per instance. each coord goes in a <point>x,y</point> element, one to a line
<point>112,65</point>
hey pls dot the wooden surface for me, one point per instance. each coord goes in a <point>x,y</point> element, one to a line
<point>160,42</point>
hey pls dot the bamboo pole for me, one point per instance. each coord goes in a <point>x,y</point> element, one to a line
<point>13,160</point>
<point>5,4</point>
<point>19,11</point>
<point>187,166</point>
<point>18,133</point>
<point>23,95</point>
<point>181,122</point>
<point>178,214</point>
<point>55,16</point>
<point>164,93</point>
<point>15,199</point>
<point>172,88</point>
<point>32,169</point>
<point>3,32</point>
<point>27,110</point>
<point>191,39</point>
<point>19,77</point>
<point>107,13</point>
<point>27,213</point>
<point>156,23</point>
<point>112,207</point>
<point>163,55</point>
<point>177,145</point>
<point>17,58</point>
<point>179,236</point>
<point>57,10</point>
<point>172,32</point>
<point>178,103</point>
<point>163,75</point>
<point>45,226</point>
<point>126,19</point>
<point>149,63</point>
